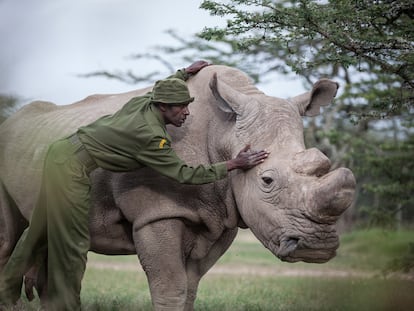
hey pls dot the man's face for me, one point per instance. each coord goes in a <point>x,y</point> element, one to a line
<point>175,115</point>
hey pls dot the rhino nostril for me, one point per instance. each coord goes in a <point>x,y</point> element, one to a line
<point>287,246</point>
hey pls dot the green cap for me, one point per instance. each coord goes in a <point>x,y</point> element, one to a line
<point>171,91</point>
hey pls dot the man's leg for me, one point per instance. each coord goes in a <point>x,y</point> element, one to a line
<point>68,235</point>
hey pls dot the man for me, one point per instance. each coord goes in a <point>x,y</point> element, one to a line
<point>132,138</point>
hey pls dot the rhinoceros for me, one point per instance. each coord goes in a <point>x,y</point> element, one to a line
<point>290,202</point>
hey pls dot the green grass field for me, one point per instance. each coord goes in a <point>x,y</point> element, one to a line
<point>248,277</point>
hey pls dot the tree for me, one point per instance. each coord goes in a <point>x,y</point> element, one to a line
<point>373,40</point>
<point>385,169</point>
<point>8,105</point>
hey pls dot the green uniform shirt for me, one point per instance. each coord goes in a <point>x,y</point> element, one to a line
<point>135,137</point>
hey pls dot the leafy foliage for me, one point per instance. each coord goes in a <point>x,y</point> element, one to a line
<point>403,263</point>
<point>8,105</point>
<point>371,42</point>
<point>386,173</point>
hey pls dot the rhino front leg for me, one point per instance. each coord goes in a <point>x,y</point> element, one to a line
<point>196,268</point>
<point>159,247</point>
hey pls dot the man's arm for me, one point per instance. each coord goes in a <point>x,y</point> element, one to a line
<point>159,155</point>
<point>247,159</point>
<point>191,70</point>
<point>196,67</point>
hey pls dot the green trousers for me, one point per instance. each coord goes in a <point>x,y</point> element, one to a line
<point>59,224</point>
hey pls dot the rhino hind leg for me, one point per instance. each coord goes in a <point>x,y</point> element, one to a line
<point>12,225</point>
<point>36,278</point>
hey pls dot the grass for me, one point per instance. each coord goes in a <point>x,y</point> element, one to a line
<point>124,286</point>
<point>303,293</point>
<point>372,249</point>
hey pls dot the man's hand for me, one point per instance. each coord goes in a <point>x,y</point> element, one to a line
<point>196,67</point>
<point>247,159</point>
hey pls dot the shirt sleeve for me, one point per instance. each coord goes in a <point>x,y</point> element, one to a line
<point>159,155</point>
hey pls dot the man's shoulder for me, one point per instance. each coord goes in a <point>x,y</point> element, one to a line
<point>137,104</point>
<point>150,128</point>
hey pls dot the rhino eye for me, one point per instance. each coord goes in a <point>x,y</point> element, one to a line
<point>267,180</point>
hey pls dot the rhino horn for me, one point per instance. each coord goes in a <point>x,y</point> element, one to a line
<point>229,100</point>
<point>322,94</point>
<point>333,196</point>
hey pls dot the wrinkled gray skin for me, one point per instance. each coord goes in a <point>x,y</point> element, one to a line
<point>290,202</point>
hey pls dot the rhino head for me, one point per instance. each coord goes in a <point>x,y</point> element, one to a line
<point>292,201</point>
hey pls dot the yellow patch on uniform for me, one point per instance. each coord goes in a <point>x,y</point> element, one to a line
<point>162,143</point>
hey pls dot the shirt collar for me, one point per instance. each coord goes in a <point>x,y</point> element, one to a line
<point>157,114</point>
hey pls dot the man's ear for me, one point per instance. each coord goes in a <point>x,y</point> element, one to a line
<point>162,107</point>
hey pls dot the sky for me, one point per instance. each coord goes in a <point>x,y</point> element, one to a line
<point>47,44</point>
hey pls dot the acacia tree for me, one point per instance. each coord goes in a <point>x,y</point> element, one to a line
<point>369,44</point>
<point>373,40</point>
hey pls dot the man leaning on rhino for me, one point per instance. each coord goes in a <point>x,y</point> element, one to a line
<point>122,184</point>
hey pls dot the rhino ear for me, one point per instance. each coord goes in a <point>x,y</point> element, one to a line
<point>322,94</point>
<point>228,99</point>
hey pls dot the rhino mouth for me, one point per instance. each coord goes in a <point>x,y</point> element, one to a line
<point>294,249</point>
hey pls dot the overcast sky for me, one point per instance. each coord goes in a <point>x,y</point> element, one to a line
<point>45,44</point>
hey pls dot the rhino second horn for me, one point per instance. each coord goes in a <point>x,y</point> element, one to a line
<point>311,162</point>
<point>335,195</point>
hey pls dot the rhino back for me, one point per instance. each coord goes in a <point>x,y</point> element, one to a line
<point>25,137</point>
